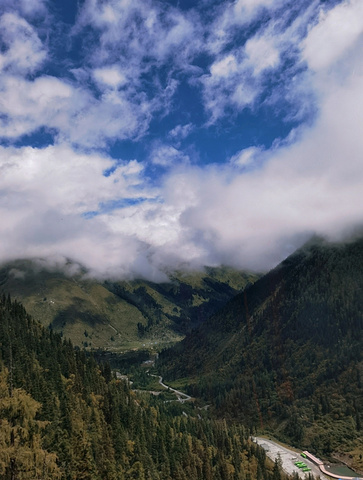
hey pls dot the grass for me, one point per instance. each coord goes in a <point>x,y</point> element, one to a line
<point>180,383</point>
<point>153,385</point>
<point>92,316</point>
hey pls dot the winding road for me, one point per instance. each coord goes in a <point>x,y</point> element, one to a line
<point>182,397</point>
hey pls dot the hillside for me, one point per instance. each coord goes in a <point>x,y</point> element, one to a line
<point>287,354</point>
<point>64,417</point>
<point>119,315</point>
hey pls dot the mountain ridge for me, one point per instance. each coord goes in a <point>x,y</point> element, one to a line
<point>286,354</point>
<point>119,315</point>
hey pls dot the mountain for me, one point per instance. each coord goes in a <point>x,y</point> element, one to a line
<point>65,417</point>
<point>119,315</point>
<point>286,355</point>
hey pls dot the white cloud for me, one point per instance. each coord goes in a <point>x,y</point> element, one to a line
<point>250,211</point>
<point>25,52</point>
<point>28,8</point>
<point>167,156</point>
<point>181,131</point>
<point>229,84</point>
<point>244,95</point>
<point>337,30</point>
<point>177,36</point>
<point>134,38</point>
<point>314,184</point>
<point>241,7</point>
<point>73,112</point>
<point>241,75</point>
<point>110,76</point>
<point>245,157</point>
<point>44,194</point>
<point>262,54</point>
<point>59,179</point>
<point>232,16</point>
<point>144,40</point>
<point>31,104</point>
<point>225,67</point>
<point>140,29</point>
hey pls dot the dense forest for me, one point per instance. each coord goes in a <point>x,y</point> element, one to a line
<point>63,416</point>
<point>286,355</point>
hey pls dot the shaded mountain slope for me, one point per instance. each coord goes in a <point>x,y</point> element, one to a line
<point>287,354</point>
<point>120,315</point>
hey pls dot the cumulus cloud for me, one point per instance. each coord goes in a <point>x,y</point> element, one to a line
<point>28,8</point>
<point>229,84</point>
<point>181,131</point>
<point>45,196</point>
<point>234,15</point>
<point>74,112</point>
<point>262,54</point>
<point>122,57</point>
<point>250,208</point>
<point>311,185</point>
<point>236,80</point>
<point>240,75</point>
<point>142,40</point>
<point>60,179</point>
<point>110,76</point>
<point>245,157</point>
<point>139,31</point>
<point>167,156</point>
<point>24,51</point>
<point>337,30</point>
<point>244,69</point>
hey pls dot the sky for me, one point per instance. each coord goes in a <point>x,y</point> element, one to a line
<point>141,136</point>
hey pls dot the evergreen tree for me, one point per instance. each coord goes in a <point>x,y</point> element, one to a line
<point>22,456</point>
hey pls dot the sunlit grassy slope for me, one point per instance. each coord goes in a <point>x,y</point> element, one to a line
<point>120,315</point>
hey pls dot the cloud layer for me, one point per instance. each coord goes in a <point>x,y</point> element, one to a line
<point>103,158</point>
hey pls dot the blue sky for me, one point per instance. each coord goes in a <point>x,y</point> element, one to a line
<point>139,136</point>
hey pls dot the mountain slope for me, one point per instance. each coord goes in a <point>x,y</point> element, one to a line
<point>287,353</point>
<point>119,315</point>
<point>65,417</point>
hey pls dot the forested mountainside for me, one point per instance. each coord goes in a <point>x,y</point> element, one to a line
<point>119,315</point>
<point>287,353</point>
<point>62,416</point>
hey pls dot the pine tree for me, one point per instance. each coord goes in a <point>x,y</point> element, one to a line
<point>21,454</point>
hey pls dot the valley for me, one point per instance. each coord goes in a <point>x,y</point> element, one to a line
<point>181,397</point>
<point>181,240</point>
<point>119,315</point>
<point>64,416</point>
<point>276,355</point>
<point>285,356</point>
